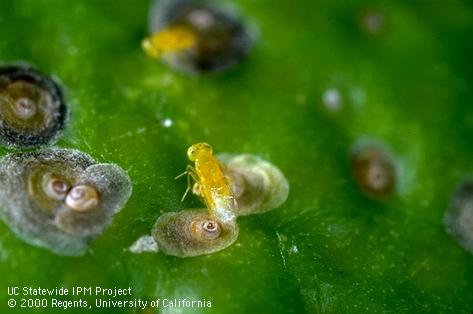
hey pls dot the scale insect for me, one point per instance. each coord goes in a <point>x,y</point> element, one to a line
<point>33,112</point>
<point>60,199</point>
<point>210,180</point>
<point>196,37</point>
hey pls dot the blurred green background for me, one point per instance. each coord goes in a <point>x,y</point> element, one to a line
<point>328,248</point>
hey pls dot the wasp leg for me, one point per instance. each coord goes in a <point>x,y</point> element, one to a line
<point>191,175</point>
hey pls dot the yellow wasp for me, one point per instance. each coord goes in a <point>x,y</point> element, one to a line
<point>211,182</point>
<point>170,40</point>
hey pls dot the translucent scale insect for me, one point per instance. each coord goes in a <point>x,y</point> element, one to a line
<point>211,182</point>
<point>60,199</point>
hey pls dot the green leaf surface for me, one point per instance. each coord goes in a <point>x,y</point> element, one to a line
<point>328,248</point>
